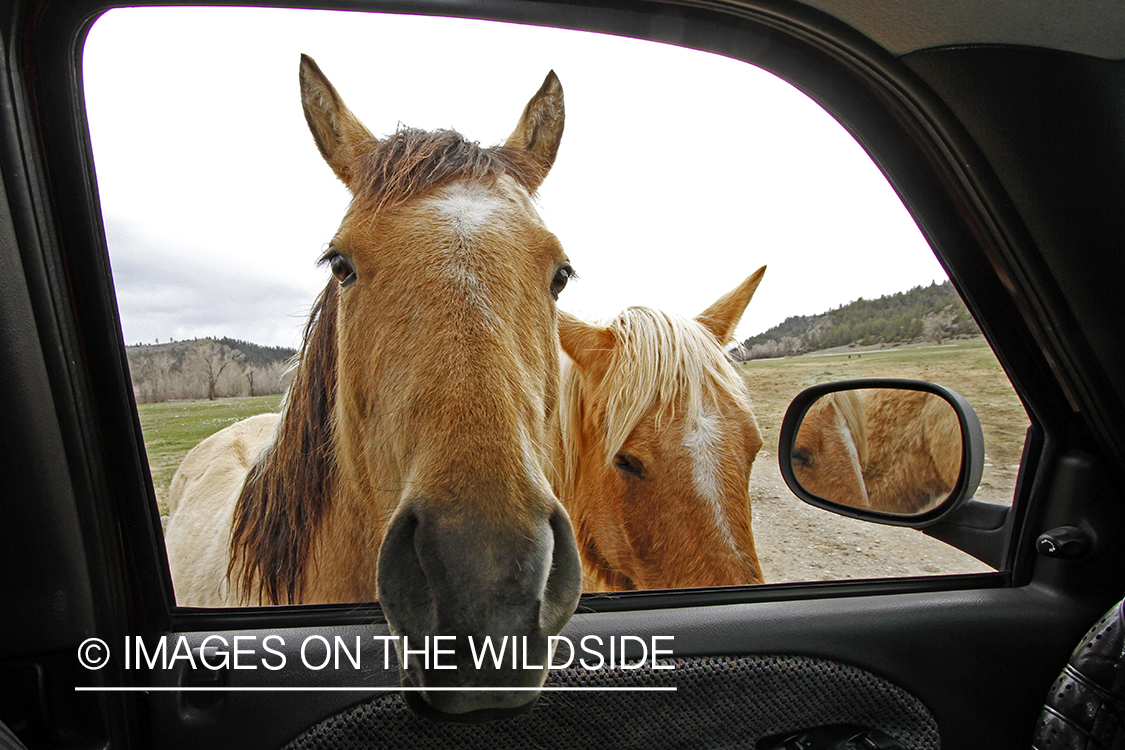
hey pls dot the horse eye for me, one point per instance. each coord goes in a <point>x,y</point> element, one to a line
<point>802,459</point>
<point>558,283</point>
<point>342,269</point>
<point>630,465</point>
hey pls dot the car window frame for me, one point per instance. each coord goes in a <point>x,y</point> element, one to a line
<point>932,164</point>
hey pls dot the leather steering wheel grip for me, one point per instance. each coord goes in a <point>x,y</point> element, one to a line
<point>1085,709</point>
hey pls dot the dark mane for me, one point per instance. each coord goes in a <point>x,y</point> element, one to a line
<point>412,161</point>
<point>288,491</point>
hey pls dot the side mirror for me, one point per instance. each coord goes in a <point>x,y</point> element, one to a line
<point>899,452</point>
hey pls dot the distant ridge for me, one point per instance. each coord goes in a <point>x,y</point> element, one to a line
<point>207,368</point>
<point>924,313</point>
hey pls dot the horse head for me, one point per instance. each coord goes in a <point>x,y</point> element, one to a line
<point>658,439</point>
<point>428,375</point>
<point>831,449</point>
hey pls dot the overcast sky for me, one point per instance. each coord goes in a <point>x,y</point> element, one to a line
<point>680,172</point>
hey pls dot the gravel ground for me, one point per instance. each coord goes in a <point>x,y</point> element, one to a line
<point>797,542</point>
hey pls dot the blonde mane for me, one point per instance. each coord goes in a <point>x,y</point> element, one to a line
<point>660,361</point>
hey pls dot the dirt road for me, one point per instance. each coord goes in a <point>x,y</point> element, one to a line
<point>797,542</point>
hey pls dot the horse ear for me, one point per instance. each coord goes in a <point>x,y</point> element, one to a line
<point>541,126</point>
<point>337,132</point>
<point>722,317</point>
<point>588,345</point>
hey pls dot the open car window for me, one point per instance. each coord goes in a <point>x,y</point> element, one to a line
<point>680,173</point>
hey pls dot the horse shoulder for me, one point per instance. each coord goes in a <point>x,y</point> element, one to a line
<point>201,501</point>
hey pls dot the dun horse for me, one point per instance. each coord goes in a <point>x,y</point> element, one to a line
<point>892,450</point>
<point>409,461</point>
<point>657,440</point>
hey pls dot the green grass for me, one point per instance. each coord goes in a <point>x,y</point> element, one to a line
<point>173,428</point>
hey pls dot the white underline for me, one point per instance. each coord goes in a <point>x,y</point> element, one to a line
<point>227,689</point>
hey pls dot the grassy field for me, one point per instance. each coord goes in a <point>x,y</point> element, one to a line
<point>173,428</point>
<point>968,366</point>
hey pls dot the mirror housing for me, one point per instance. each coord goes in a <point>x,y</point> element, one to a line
<point>848,484</point>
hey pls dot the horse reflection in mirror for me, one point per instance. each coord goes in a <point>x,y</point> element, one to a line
<point>657,440</point>
<point>886,449</point>
<point>831,449</point>
<point>409,463</point>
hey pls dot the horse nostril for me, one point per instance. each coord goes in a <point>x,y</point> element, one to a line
<point>404,590</point>
<point>564,583</point>
<point>478,585</point>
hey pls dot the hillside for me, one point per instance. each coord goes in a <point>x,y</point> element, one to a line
<point>259,356</point>
<point>207,368</point>
<point>930,313</point>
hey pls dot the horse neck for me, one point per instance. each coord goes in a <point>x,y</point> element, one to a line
<point>289,491</point>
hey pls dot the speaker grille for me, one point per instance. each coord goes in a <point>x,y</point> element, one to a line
<point>720,702</point>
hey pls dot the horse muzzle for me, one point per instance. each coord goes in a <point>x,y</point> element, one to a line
<point>473,604</point>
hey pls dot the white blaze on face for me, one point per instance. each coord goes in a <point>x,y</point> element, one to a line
<point>704,442</point>
<point>841,426</point>
<point>466,210</point>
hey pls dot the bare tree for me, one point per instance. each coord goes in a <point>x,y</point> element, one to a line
<point>216,358</point>
<point>202,368</point>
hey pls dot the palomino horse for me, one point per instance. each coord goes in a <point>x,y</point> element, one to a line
<point>657,440</point>
<point>886,449</point>
<point>409,461</point>
<point>831,449</point>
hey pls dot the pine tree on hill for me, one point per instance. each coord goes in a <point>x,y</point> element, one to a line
<point>924,313</point>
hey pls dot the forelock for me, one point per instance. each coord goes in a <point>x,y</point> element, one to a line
<point>662,363</point>
<point>413,161</point>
